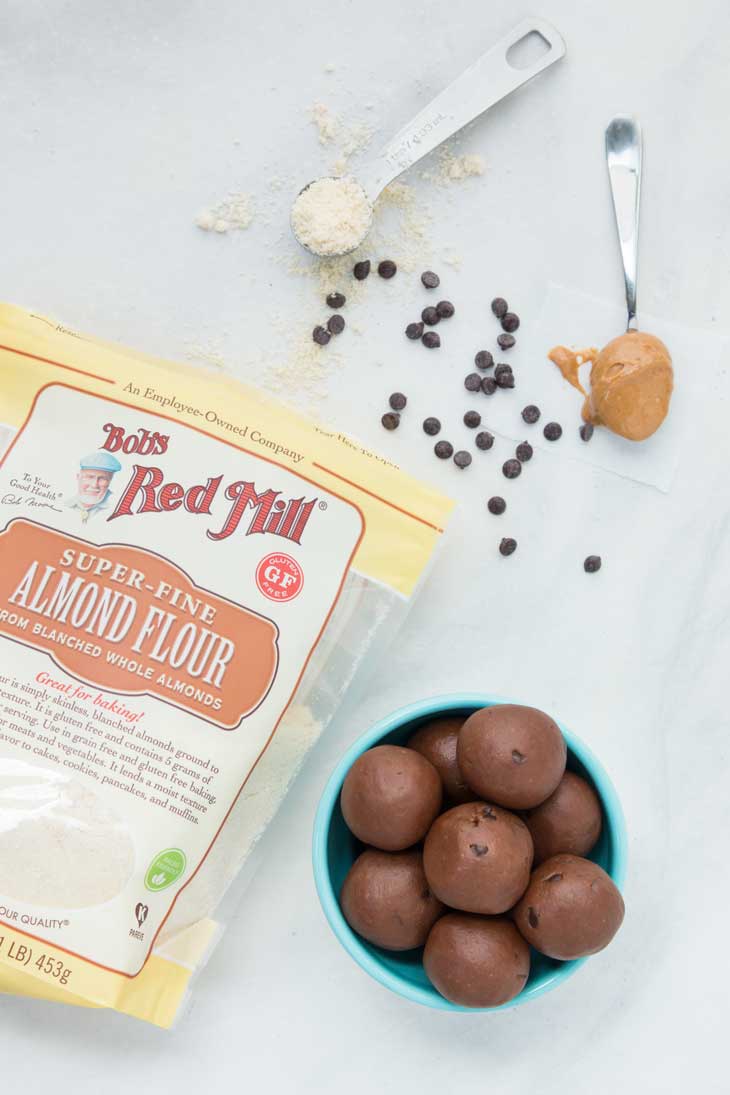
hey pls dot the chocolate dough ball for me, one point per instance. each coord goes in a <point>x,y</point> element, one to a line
<point>385,899</point>
<point>511,755</point>
<point>569,821</point>
<point>571,908</point>
<point>475,962</point>
<point>390,797</point>
<point>436,741</point>
<point>477,858</point>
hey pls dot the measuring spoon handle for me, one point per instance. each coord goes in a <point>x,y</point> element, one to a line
<point>623,158</point>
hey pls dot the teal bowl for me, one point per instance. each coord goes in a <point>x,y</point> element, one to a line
<point>334,850</point>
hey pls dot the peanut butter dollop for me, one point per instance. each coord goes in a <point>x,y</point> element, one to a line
<point>631,385</point>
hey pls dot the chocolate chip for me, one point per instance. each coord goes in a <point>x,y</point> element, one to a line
<point>335,325</point>
<point>430,280</point>
<point>336,300</point>
<point>483,359</point>
<point>505,342</point>
<point>414,330</point>
<point>499,307</point>
<point>523,452</point>
<point>397,401</point>
<point>553,431</point>
<point>496,505</point>
<point>532,917</point>
<point>592,564</point>
<point>472,419</point>
<point>431,426</point>
<point>507,546</point>
<point>473,382</point>
<point>518,757</point>
<point>531,414</point>
<point>390,421</point>
<point>361,269</point>
<point>443,449</point>
<point>484,440</point>
<point>487,811</point>
<point>511,469</point>
<point>553,877</point>
<point>431,340</point>
<point>430,316</point>
<point>510,322</point>
<point>505,379</point>
<point>445,309</point>
<point>462,459</point>
<point>489,385</point>
<point>586,431</point>
<point>387,268</point>
<point>479,849</point>
<point>321,336</point>
<point>502,369</point>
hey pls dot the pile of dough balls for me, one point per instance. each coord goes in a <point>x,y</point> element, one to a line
<point>476,838</point>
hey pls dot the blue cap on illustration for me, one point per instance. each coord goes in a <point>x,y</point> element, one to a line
<point>101,461</point>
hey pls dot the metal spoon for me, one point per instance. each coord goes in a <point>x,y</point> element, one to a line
<point>623,158</point>
<point>483,84</point>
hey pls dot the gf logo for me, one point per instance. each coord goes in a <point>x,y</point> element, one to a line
<point>141,911</point>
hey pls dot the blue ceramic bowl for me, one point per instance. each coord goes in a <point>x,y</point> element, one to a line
<point>335,849</point>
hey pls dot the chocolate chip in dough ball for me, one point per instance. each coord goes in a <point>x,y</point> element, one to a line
<point>436,741</point>
<point>390,797</point>
<point>512,755</point>
<point>570,820</point>
<point>474,962</point>
<point>385,898</point>
<point>571,908</point>
<point>477,858</point>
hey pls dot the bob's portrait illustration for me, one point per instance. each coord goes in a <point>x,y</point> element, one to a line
<point>93,481</point>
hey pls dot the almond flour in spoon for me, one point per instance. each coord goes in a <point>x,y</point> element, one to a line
<point>331,216</point>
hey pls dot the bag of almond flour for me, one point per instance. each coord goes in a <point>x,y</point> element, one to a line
<point>190,577</point>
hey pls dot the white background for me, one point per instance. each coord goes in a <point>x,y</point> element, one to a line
<point>120,123</point>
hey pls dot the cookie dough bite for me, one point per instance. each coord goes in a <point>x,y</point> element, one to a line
<point>436,741</point>
<point>385,898</point>
<point>512,755</point>
<point>631,385</point>
<point>477,858</point>
<point>570,909</point>
<point>476,962</point>
<point>390,796</point>
<point>570,820</point>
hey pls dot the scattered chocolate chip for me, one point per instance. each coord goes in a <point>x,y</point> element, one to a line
<point>479,849</point>
<point>430,316</point>
<point>496,505</point>
<point>553,431</point>
<point>511,469</point>
<point>518,757</point>
<point>431,426</point>
<point>387,268</point>
<point>462,459</point>
<point>445,309</point>
<point>499,307</point>
<point>335,325</point>
<point>473,382</point>
<point>483,359</point>
<point>502,369</point>
<point>472,419</point>
<point>532,917</point>
<point>321,336</point>
<point>507,546</point>
<point>431,340</point>
<point>443,449</point>
<point>430,280</point>
<point>510,322</point>
<point>592,564</point>
<point>531,414</point>
<point>487,811</point>
<point>361,269</point>
<point>553,877</point>
<point>336,300</point>
<point>390,421</point>
<point>586,431</point>
<point>505,380</point>
<point>523,452</point>
<point>484,440</point>
<point>505,342</point>
<point>489,385</point>
<point>397,401</point>
<point>414,330</point>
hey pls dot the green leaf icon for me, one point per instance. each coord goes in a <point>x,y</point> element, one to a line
<point>167,867</point>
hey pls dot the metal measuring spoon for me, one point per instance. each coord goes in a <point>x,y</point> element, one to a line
<point>483,84</point>
<point>623,159</point>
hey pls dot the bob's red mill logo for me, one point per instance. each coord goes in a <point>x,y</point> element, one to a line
<point>148,492</point>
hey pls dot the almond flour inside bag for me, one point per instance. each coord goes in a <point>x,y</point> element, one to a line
<point>190,578</point>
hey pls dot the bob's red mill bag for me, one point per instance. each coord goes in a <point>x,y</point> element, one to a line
<point>190,577</point>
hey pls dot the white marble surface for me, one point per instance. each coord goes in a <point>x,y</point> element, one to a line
<point>119,123</point>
